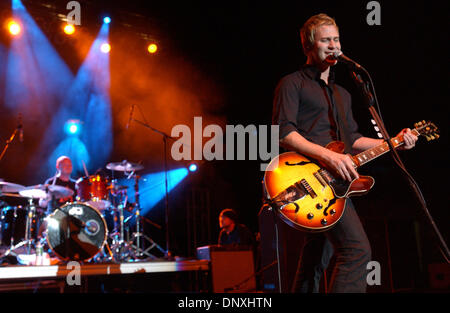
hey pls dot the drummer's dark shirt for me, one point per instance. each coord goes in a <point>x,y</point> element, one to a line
<point>71,183</point>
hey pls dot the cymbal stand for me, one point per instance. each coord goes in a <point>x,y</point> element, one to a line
<point>138,235</point>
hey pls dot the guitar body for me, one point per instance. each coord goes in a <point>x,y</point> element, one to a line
<point>305,194</point>
<point>309,197</point>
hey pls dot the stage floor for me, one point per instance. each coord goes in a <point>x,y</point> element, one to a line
<point>19,277</point>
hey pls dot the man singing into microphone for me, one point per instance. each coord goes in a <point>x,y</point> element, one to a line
<point>312,111</point>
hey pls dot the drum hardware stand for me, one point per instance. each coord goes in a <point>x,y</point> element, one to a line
<point>120,249</point>
<point>120,246</point>
<point>138,235</point>
<point>28,241</point>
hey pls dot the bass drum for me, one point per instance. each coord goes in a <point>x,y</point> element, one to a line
<point>76,231</point>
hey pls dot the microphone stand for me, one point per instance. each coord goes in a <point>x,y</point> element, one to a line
<point>8,142</point>
<point>370,100</point>
<point>168,253</point>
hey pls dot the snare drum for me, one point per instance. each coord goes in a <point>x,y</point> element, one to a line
<point>94,191</point>
<point>87,229</point>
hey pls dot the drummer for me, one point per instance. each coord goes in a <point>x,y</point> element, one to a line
<point>62,178</point>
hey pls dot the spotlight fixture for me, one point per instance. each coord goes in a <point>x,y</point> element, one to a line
<point>105,47</point>
<point>14,28</point>
<point>106,20</point>
<point>193,167</point>
<point>72,127</point>
<point>69,29</point>
<point>152,48</point>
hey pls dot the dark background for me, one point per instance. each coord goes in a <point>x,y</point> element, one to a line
<point>244,48</point>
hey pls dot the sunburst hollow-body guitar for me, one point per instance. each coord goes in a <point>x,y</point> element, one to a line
<point>310,197</point>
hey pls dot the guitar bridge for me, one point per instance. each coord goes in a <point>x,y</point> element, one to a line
<point>293,193</point>
<point>289,195</point>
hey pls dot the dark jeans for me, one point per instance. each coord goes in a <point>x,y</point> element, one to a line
<point>348,240</point>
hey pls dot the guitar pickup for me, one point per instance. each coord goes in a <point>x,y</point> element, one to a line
<point>308,188</point>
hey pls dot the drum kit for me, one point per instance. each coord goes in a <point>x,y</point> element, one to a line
<point>78,231</point>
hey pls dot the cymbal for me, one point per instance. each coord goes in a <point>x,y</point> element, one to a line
<point>124,166</point>
<point>10,187</point>
<point>40,191</point>
<point>14,195</point>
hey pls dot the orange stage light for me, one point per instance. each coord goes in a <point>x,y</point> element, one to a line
<point>152,48</point>
<point>14,28</point>
<point>69,29</point>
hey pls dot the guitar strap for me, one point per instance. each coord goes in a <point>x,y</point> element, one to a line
<point>343,128</point>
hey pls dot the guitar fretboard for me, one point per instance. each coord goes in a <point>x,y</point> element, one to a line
<point>372,153</point>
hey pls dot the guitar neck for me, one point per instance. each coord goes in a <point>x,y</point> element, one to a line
<point>372,153</point>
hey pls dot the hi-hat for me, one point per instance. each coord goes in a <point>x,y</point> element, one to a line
<point>124,166</point>
<point>42,191</point>
<point>10,187</point>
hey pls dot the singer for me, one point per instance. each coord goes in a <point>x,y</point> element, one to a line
<point>312,110</point>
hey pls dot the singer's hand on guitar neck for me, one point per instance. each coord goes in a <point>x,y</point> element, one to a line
<point>409,139</point>
<point>341,164</point>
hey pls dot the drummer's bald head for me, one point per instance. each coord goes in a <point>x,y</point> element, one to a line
<point>63,160</point>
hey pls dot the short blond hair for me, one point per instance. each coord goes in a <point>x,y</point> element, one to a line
<point>308,30</point>
<point>61,159</point>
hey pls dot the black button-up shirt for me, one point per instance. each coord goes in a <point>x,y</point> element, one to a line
<point>304,103</point>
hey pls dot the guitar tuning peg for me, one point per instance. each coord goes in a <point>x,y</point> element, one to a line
<point>432,137</point>
<point>428,138</point>
<point>424,122</point>
<point>436,135</point>
<point>415,125</point>
<point>419,123</point>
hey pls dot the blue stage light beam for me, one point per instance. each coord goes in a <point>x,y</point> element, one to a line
<point>3,60</point>
<point>17,5</point>
<point>36,76</point>
<point>36,82</point>
<point>88,100</point>
<point>152,188</point>
<point>72,147</point>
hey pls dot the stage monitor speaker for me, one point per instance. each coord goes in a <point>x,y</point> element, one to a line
<point>230,266</point>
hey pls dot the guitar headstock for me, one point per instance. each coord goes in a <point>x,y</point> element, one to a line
<point>427,129</point>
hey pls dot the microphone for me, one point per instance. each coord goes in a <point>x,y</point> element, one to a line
<point>20,128</point>
<point>131,116</point>
<point>338,55</point>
